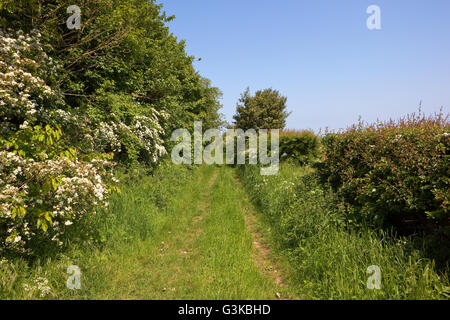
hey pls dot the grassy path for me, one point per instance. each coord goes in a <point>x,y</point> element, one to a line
<point>184,233</point>
<point>179,234</point>
<point>208,248</point>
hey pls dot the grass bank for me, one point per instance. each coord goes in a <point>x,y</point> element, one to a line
<point>328,258</point>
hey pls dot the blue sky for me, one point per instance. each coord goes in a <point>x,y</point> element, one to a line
<point>320,54</point>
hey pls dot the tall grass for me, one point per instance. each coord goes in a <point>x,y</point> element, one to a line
<point>176,234</point>
<point>328,258</point>
<point>103,243</point>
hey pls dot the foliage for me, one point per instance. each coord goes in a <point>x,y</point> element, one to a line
<point>302,147</point>
<point>265,110</point>
<point>122,64</point>
<point>71,100</point>
<point>135,216</point>
<point>26,72</point>
<point>395,172</point>
<point>44,185</point>
<point>45,188</point>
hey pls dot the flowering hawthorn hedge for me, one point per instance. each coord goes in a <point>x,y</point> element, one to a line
<point>45,186</point>
<point>395,172</point>
<point>26,77</point>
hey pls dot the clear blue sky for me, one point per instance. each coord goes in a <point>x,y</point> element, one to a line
<point>320,54</point>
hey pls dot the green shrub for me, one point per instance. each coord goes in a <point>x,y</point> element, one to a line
<point>45,188</point>
<point>394,172</point>
<point>303,147</point>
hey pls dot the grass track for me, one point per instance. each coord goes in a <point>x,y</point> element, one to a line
<point>199,247</point>
<point>194,234</point>
<point>204,250</point>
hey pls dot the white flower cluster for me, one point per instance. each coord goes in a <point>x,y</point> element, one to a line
<point>38,197</point>
<point>107,136</point>
<point>40,285</point>
<point>67,190</point>
<point>23,67</point>
<point>148,130</point>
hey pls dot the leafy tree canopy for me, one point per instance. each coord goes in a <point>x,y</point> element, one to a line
<point>123,63</point>
<point>265,110</point>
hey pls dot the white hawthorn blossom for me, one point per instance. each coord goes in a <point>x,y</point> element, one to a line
<point>23,68</point>
<point>79,190</point>
<point>148,130</point>
<point>73,188</point>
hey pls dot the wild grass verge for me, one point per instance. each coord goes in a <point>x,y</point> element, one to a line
<point>135,215</point>
<point>329,258</point>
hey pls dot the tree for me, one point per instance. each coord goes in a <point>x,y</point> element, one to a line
<point>125,76</point>
<point>265,110</point>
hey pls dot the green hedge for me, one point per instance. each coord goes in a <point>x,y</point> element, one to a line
<point>394,173</point>
<point>303,147</point>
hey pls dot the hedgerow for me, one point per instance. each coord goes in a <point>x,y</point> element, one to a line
<point>136,215</point>
<point>46,183</point>
<point>74,101</point>
<point>44,186</point>
<point>301,146</point>
<point>394,172</point>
